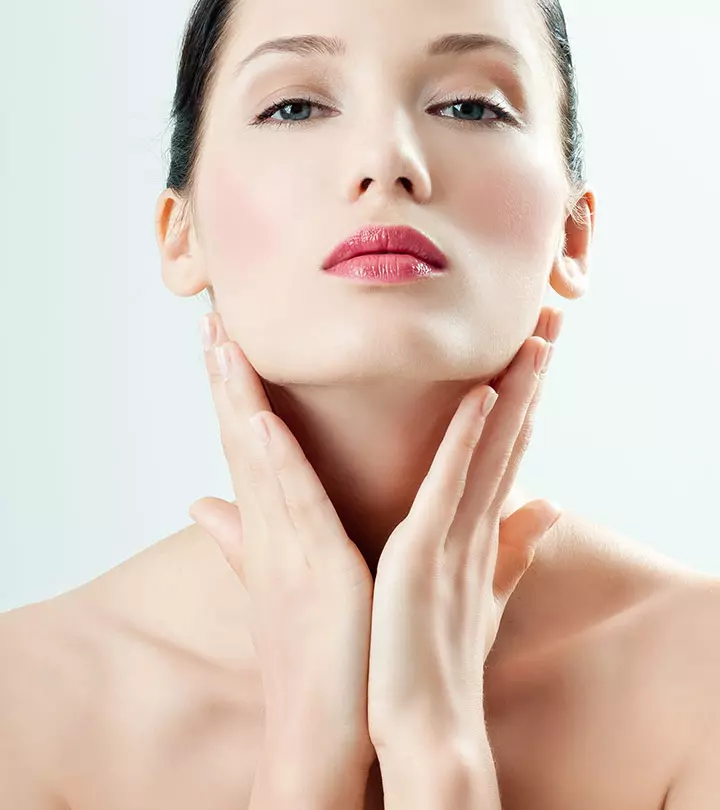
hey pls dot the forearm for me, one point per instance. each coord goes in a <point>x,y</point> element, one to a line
<point>308,780</point>
<point>426,775</point>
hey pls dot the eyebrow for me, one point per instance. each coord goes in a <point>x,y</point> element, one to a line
<point>313,45</point>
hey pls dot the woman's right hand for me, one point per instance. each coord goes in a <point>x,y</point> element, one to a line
<point>309,586</point>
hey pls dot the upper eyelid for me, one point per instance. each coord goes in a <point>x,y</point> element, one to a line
<point>510,78</point>
<point>486,99</point>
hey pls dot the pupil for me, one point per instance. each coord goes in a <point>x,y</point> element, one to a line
<point>295,107</point>
<point>464,108</point>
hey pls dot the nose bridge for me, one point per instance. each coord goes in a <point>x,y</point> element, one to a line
<point>387,156</point>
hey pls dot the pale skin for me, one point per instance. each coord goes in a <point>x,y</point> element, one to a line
<point>144,687</point>
<point>450,565</point>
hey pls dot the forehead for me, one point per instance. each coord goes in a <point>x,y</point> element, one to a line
<point>392,30</point>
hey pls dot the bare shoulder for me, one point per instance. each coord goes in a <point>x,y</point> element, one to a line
<point>686,628</point>
<point>663,624</point>
<point>686,658</point>
<point>609,666</point>
<point>39,687</point>
<point>661,659</point>
<point>112,690</point>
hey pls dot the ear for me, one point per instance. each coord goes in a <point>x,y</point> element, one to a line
<point>182,265</point>
<point>571,268</point>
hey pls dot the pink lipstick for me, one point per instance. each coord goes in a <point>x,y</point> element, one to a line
<point>386,255</point>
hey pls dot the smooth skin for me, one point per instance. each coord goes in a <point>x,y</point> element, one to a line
<point>143,688</point>
<point>451,565</point>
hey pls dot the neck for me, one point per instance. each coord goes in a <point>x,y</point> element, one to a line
<point>372,447</point>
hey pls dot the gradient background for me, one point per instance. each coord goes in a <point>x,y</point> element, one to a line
<point>107,427</point>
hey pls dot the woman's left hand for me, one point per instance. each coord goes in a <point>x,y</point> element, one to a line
<point>448,570</point>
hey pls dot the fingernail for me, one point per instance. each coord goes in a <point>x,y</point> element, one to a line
<point>559,513</point>
<point>222,362</point>
<point>257,423</point>
<point>207,328</point>
<point>551,351</point>
<point>542,358</point>
<point>556,325</point>
<point>488,404</point>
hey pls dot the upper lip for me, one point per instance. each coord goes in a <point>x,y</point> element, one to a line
<point>387,239</point>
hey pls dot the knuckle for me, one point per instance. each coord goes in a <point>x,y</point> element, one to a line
<point>227,447</point>
<point>470,440</point>
<point>256,472</point>
<point>284,459</point>
<point>459,483</point>
<point>299,508</point>
<point>230,444</point>
<point>453,485</point>
<point>216,378</point>
<point>524,438</point>
<point>527,428</point>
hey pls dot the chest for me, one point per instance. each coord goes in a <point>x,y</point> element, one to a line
<point>565,733</point>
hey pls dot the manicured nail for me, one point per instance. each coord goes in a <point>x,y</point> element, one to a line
<point>488,404</point>
<point>542,358</point>
<point>558,513</point>
<point>257,423</point>
<point>556,325</point>
<point>222,362</point>
<point>549,357</point>
<point>207,328</point>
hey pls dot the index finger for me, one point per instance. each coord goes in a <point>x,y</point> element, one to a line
<point>489,466</point>
<point>254,399</point>
<point>234,412</point>
<point>550,331</point>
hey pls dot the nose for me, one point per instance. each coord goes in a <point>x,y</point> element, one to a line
<point>392,169</point>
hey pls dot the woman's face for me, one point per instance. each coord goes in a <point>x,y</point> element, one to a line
<point>385,140</point>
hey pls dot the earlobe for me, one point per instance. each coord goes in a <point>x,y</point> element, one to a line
<point>181,269</point>
<point>571,270</point>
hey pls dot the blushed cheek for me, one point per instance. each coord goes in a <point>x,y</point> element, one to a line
<point>235,228</point>
<point>513,202</point>
<point>254,225</point>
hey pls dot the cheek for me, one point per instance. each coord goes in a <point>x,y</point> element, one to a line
<point>250,219</point>
<point>235,224</point>
<point>251,225</point>
<point>512,200</point>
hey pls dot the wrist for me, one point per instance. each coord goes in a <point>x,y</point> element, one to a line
<point>455,772</point>
<point>311,777</point>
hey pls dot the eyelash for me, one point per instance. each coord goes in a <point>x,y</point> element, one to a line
<point>504,117</point>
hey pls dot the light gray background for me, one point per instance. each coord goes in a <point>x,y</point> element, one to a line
<point>107,427</point>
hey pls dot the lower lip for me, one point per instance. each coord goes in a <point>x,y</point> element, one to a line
<point>385,268</point>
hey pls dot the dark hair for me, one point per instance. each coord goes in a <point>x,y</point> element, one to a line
<point>572,132</point>
<point>206,35</point>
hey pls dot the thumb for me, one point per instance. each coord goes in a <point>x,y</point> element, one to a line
<point>222,521</point>
<point>520,534</point>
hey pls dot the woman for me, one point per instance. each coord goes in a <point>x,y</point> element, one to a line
<point>427,635</point>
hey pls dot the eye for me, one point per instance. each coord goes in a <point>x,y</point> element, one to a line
<point>288,103</point>
<point>475,107</point>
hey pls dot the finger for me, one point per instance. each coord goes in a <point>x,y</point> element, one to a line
<point>434,508</point>
<point>520,534</point>
<point>238,395</point>
<point>435,505</point>
<point>235,444</point>
<point>544,328</point>
<point>223,522</point>
<point>490,460</point>
<point>251,397</point>
<point>467,545</point>
<point>549,330</point>
<point>295,508</point>
<point>305,500</point>
<point>241,394</point>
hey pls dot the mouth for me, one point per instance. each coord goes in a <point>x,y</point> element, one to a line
<point>388,240</point>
